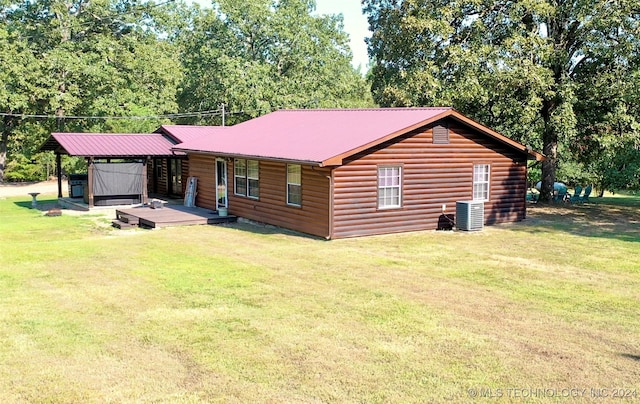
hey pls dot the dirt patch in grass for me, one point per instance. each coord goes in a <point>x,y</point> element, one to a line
<point>24,188</point>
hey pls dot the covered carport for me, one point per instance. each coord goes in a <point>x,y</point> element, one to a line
<point>116,163</point>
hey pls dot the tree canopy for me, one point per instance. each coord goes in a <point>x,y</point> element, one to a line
<point>544,72</point>
<point>82,58</point>
<point>561,76</point>
<point>66,65</point>
<point>263,55</point>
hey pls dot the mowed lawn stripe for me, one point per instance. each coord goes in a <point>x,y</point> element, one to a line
<point>247,313</point>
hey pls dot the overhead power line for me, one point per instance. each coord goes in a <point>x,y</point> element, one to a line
<point>214,112</point>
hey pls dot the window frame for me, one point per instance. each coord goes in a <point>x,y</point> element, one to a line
<point>253,179</point>
<point>382,189</point>
<point>241,171</point>
<point>298,185</point>
<point>158,167</point>
<point>237,163</point>
<point>484,193</point>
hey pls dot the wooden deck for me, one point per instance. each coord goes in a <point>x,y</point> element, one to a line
<point>169,215</point>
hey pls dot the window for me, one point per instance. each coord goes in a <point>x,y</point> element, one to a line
<point>157,163</point>
<point>294,184</point>
<point>481,182</point>
<point>253,179</point>
<point>240,176</point>
<point>246,175</point>
<point>389,187</point>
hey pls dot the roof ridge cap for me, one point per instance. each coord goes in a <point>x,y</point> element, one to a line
<point>383,109</point>
<point>191,126</point>
<point>104,133</point>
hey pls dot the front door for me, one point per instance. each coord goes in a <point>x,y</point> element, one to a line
<point>221,182</point>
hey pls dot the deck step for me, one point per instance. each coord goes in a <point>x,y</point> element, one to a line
<point>119,224</point>
<point>128,219</point>
<point>222,219</point>
<point>146,224</point>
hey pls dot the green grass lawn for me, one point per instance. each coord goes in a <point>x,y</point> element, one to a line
<point>243,313</point>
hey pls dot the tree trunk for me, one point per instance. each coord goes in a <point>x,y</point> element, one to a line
<point>550,150</point>
<point>8,123</point>
<point>3,151</point>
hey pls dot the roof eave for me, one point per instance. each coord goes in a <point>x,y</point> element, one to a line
<point>251,157</point>
<point>124,156</point>
<point>52,144</point>
<point>534,155</point>
<point>531,154</point>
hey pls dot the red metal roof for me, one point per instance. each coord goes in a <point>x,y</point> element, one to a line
<point>322,136</point>
<point>311,135</point>
<point>188,133</point>
<point>110,145</point>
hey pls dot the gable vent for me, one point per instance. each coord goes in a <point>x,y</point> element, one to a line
<point>441,134</point>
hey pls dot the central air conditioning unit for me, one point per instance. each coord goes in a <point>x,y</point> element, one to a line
<point>469,215</point>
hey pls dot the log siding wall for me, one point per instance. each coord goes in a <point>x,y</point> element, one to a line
<point>433,175</point>
<point>204,167</point>
<point>161,181</point>
<point>312,217</point>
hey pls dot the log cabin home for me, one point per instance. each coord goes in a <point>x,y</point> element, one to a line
<point>340,173</point>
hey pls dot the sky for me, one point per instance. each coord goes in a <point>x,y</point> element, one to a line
<point>355,24</point>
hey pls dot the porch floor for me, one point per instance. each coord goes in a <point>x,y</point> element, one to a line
<point>81,205</point>
<point>168,215</point>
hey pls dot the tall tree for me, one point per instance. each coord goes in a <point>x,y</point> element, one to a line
<point>514,64</point>
<point>260,55</point>
<point>17,87</point>
<point>85,58</point>
<point>608,140</point>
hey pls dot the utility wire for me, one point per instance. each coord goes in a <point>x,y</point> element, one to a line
<point>176,115</point>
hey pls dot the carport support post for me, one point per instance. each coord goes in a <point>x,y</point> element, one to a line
<point>90,181</point>
<point>145,196</point>
<point>59,173</point>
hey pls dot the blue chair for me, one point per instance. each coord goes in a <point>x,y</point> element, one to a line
<point>587,192</point>
<point>576,194</point>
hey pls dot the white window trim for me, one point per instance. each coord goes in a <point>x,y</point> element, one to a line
<point>222,190</point>
<point>481,182</point>
<point>236,176</point>
<point>299,184</point>
<point>382,188</point>
<point>257,178</point>
<point>246,178</point>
